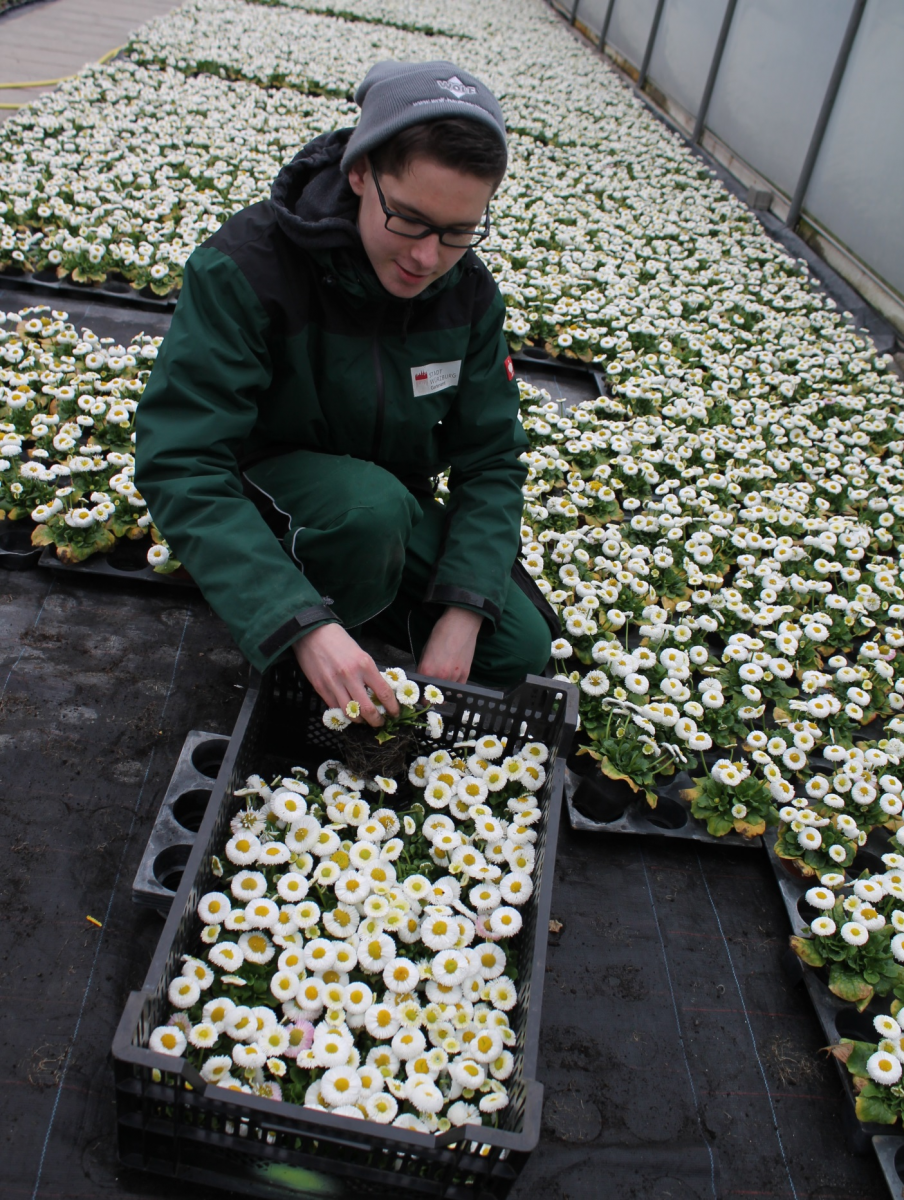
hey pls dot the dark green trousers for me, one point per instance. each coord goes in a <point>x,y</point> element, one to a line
<point>369,544</point>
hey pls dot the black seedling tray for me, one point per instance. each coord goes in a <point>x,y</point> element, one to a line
<point>16,551</point>
<point>43,286</point>
<point>170,1122</point>
<point>890,1153</point>
<point>837,1018</point>
<point>178,821</point>
<point>671,818</point>
<point>124,562</point>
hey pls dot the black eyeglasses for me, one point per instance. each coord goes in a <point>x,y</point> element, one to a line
<point>412,227</point>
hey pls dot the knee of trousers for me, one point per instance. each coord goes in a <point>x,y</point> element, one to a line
<point>358,558</point>
<point>520,646</point>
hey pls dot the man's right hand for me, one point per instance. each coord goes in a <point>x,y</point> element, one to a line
<point>339,671</point>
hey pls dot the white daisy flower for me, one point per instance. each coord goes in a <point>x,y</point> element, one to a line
<point>381,1108</point>
<point>400,975</point>
<point>243,850</point>
<point>854,933</point>
<point>884,1068</point>
<point>167,1039</point>
<point>823,926</point>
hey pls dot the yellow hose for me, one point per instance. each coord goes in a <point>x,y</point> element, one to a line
<point>52,82</point>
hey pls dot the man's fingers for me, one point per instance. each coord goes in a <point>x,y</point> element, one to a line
<point>384,693</point>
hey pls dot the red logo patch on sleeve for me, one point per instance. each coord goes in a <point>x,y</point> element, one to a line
<point>509,369</point>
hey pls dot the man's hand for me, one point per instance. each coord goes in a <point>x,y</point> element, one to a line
<point>339,671</point>
<point>450,650</point>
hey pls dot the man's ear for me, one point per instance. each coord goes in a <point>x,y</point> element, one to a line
<point>357,175</point>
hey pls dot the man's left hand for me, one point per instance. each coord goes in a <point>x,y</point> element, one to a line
<point>450,649</point>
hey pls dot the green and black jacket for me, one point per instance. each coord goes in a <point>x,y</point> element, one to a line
<point>284,338</point>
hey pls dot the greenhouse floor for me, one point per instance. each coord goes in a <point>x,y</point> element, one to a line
<point>49,38</point>
<point>678,1060</point>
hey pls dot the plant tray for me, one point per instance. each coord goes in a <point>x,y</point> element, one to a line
<point>170,1122</point>
<point>890,1153</point>
<point>671,818</point>
<point>540,361</point>
<point>836,1017</point>
<point>44,285</point>
<point>121,563</point>
<point>178,821</point>
<point>16,551</point>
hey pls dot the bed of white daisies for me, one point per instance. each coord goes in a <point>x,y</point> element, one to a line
<point>360,955</point>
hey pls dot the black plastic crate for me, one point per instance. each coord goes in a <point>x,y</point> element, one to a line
<point>170,1122</point>
<point>671,818</point>
<point>179,819</point>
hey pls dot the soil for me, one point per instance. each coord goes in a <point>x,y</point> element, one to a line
<point>364,755</point>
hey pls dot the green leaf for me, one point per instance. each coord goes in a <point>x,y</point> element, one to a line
<point>849,985</point>
<point>383,736</point>
<point>808,949</point>
<point>874,1108</point>
<point>857,1059</point>
<point>750,828</point>
<point>719,825</point>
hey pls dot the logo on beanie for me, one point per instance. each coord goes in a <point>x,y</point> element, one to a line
<point>456,87</point>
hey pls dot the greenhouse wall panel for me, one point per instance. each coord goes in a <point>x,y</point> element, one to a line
<point>592,13</point>
<point>630,27</point>
<point>857,189</point>
<point>772,81</point>
<point>683,52</point>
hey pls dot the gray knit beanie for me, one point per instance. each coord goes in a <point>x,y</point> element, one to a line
<point>395,95</point>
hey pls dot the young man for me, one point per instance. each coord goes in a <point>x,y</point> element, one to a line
<point>332,351</point>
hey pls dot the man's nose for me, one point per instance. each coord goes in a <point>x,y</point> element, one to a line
<point>426,252</point>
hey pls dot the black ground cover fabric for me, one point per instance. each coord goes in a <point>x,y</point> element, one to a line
<point>678,1062</point>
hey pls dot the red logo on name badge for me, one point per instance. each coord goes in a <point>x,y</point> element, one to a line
<point>421,375</point>
<point>509,369</point>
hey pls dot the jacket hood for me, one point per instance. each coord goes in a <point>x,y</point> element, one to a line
<point>315,205</point>
<point>316,209</point>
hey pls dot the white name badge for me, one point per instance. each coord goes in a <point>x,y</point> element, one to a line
<point>434,377</point>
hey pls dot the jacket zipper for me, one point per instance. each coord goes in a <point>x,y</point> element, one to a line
<point>381,399</point>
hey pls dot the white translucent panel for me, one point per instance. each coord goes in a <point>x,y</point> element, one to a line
<point>857,188</point>
<point>776,67</point>
<point>684,48</point>
<point>630,27</point>
<point>592,13</point>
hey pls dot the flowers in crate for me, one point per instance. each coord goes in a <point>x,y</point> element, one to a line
<point>416,708</point>
<point>363,960</point>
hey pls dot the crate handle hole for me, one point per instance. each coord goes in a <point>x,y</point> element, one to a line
<point>208,756</point>
<point>169,866</point>
<point>190,807</point>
